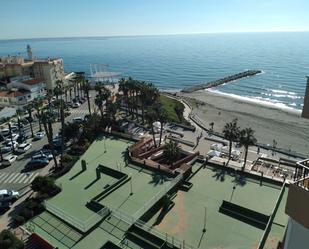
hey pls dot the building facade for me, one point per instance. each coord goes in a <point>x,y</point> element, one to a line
<point>305,112</point>
<point>51,70</point>
<point>21,91</point>
<point>297,208</point>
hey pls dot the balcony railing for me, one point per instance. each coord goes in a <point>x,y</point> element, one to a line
<point>301,176</point>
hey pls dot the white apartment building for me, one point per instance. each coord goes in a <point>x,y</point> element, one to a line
<point>21,91</point>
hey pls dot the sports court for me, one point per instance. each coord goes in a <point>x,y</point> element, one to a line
<point>210,186</point>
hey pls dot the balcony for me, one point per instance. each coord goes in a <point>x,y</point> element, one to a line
<point>298,196</point>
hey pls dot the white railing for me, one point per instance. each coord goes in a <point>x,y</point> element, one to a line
<point>139,213</point>
<point>83,226</point>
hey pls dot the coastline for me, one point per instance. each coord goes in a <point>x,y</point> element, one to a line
<point>270,122</point>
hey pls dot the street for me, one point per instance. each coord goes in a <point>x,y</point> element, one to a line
<point>14,177</point>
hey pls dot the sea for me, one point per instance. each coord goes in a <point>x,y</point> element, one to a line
<point>173,62</point>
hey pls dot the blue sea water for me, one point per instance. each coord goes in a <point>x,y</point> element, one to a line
<point>177,61</point>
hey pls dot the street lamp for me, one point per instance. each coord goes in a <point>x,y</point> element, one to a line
<point>234,187</point>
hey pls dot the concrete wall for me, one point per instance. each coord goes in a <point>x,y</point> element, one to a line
<point>297,236</point>
<point>297,205</point>
<point>305,113</point>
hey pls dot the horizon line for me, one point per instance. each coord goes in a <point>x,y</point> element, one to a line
<point>149,35</point>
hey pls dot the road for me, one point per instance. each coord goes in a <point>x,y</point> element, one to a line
<point>13,177</point>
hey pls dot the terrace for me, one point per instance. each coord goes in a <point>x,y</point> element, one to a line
<point>117,204</point>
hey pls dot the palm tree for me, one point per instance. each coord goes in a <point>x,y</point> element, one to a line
<point>87,88</point>
<point>247,139</point>
<point>101,97</point>
<point>29,109</point>
<point>161,116</point>
<point>171,151</point>
<point>47,120</point>
<point>151,118</point>
<point>231,133</point>
<point>38,105</point>
<point>123,87</point>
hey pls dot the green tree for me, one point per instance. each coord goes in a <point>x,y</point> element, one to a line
<point>45,185</point>
<point>9,240</point>
<point>231,133</point>
<point>247,139</point>
<point>172,151</point>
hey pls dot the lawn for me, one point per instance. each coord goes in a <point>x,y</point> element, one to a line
<point>170,106</point>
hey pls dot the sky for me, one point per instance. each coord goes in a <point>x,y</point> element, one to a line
<point>70,18</point>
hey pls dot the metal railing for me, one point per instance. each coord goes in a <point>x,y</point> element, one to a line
<point>301,176</point>
<point>131,220</point>
<point>139,213</point>
<point>171,240</point>
<point>83,226</point>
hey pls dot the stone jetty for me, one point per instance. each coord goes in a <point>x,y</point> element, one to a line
<point>218,82</point>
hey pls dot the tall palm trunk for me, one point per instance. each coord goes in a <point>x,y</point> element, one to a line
<point>49,133</point>
<point>161,131</point>
<point>153,136</point>
<point>88,101</point>
<point>39,119</point>
<point>245,158</point>
<point>230,151</point>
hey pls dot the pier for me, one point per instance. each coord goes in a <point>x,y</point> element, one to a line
<point>219,82</point>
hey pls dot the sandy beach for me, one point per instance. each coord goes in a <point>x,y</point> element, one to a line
<point>269,122</point>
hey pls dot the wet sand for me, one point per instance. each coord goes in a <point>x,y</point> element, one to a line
<point>269,122</point>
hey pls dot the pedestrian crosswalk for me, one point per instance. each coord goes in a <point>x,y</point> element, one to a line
<point>17,178</point>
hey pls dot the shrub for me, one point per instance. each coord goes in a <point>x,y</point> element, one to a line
<point>9,240</point>
<point>45,185</point>
<point>18,219</point>
<point>67,158</point>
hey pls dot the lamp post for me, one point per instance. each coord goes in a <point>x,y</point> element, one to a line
<point>131,187</point>
<point>234,187</point>
<point>204,228</point>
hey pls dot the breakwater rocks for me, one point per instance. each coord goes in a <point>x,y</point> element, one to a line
<point>215,83</point>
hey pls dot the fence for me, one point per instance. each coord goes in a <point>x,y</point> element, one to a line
<point>142,225</point>
<point>170,240</point>
<point>139,213</point>
<point>82,226</point>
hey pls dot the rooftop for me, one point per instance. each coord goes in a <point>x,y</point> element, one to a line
<point>33,81</point>
<point>12,94</point>
<point>184,221</point>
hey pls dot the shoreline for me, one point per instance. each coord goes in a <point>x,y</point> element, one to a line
<point>269,121</point>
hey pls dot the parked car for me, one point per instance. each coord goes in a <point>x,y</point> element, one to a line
<point>76,105</point>
<point>39,135</point>
<point>5,132</point>
<point>37,163</point>
<point>23,147</point>
<point>78,120</point>
<point>8,147</point>
<point>43,154</point>
<point>22,138</point>
<point>8,195</point>
<point>14,137</point>
<point>9,144</point>
<point>8,160</point>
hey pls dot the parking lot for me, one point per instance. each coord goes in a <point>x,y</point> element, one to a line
<point>14,176</point>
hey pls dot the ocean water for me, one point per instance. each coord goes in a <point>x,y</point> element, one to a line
<point>177,61</point>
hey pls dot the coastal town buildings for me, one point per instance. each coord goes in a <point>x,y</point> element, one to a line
<point>22,90</point>
<point>50,69</point>
<point>305,113</point>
